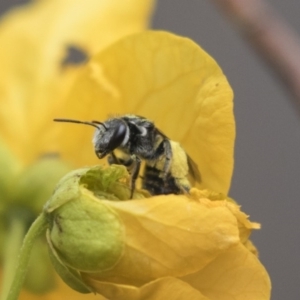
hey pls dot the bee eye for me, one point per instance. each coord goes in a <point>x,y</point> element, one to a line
<point>118,137</point>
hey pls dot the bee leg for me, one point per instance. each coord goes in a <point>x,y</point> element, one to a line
<point>134,173</point>
<point>183,185</point>
<point>112,159</point>
<point>168,159</point>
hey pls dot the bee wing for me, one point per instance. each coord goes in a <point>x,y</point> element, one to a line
<point>193,170</point>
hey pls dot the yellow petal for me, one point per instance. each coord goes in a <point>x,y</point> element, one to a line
<point>160,289</point>
<point>168,236</point>
<point>235,275</point>
<point>250,246</point>
<point>244,225</point>
<point>33,42</point>
<point>61,292</point>
<point>168,79</point>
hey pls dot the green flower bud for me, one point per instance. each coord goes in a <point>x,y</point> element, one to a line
<point>85,234</point>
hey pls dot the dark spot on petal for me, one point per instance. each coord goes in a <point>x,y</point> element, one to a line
<point>74,56</point>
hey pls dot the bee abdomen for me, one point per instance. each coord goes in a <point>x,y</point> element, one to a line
<point>156,185</point>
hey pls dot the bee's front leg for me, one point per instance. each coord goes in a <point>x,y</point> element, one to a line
<point>113,159</point>
<point>125,161</point>
<point>135,170</point>
<point>132,164</point>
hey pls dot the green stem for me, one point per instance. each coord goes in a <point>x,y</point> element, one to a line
<point>37,228</point>
<point>12,245</point>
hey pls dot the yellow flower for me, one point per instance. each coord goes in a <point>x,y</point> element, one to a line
<point>176,247</point>
<point>35,39</point>
<point>183,247</point>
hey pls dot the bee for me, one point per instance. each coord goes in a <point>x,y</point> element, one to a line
<point>137,140</point>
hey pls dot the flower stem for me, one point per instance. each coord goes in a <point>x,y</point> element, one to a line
<point>37,228</point>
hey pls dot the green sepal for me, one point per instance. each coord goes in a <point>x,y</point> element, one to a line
<point>66,190</point>
<point>109,183</point>
<point>69,276</point>
<point>87,235</point>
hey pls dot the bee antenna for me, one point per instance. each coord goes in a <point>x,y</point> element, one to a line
<point>94,124</point>
<point>100,123</point>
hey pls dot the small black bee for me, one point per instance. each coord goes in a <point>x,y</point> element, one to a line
<point>167,166</point>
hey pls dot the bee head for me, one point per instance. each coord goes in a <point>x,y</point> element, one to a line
<point>108,135</point>
<point>111,135</point>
